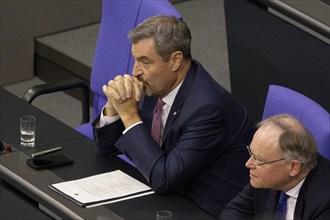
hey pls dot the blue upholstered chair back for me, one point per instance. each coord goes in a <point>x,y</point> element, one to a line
<point>281,100</point>
<point>113,50</point>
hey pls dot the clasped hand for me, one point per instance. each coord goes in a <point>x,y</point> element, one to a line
<point>123,94</point>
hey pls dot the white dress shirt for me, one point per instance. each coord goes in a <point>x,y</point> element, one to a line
<point>292,200</point>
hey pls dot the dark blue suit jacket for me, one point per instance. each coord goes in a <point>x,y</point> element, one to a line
<point>313,201</point>
<point>204,143</point>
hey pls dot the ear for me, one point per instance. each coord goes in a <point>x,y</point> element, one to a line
<point>295,167</point>
<point>176,60</point>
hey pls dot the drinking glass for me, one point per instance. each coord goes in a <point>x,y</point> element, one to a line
<point>27,130</point>
<point>164,215</point>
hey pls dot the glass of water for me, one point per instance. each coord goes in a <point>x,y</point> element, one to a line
<point>164,215</point>
<point>28,130</point>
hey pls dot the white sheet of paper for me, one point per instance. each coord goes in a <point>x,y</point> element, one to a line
<point>101,187</point>
<point>122,199</point>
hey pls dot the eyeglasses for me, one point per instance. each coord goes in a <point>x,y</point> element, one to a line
<point>259,163</point>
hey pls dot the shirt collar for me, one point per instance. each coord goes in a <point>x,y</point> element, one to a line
<point>169,99</point>
<point>294,192</point>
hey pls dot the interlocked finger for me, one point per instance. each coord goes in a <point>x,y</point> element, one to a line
<point>137,91</point>
<point>112,91</point>
<point>128,83</point>
<point>119,86</point>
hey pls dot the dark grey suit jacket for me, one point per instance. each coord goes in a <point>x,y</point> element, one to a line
<point>313,201</point>
<point>204,143</point>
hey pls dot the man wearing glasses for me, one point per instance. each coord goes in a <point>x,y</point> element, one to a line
<point>288,178</point>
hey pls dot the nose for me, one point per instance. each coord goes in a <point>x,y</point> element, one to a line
<point>136,70</point>
<point>250,163</point>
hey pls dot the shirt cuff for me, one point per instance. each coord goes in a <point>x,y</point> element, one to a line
<point>133,125</point>
<point>105,120</point>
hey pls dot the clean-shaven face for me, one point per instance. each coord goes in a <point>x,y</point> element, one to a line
<point>265,148</point>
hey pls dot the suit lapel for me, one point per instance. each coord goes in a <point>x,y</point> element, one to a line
<point>271,202</point>
<point>300,205</point>
<point>179,100</point>
<point>174,113</point>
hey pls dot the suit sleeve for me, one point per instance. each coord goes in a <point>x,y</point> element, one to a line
<point>106,137</point>
<point>195,139</point>
<point>240,207</point>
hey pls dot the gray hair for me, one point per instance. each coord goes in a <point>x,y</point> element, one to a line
<point>296,142</point>
<point>169,33</point>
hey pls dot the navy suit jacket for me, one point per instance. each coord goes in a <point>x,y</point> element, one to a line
<point>313,200</point>
<point>204,143</point>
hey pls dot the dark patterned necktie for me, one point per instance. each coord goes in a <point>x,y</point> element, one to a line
<point>280,212</point>
<point>157,121</point>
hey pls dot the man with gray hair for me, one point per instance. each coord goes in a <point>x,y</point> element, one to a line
<point>288,178</point>
<point>184,132</point>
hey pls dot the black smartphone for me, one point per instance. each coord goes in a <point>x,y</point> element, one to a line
<point>44,162</point>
